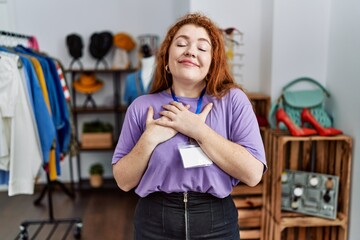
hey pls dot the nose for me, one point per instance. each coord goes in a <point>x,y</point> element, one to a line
<point>190,51</point>
<point>189,54</point>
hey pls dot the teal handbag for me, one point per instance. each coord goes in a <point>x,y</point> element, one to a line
<point>293,102</point>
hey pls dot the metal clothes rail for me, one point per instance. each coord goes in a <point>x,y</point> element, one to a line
<point>77,222</point>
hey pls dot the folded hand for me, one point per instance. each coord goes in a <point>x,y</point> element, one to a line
<point>178,117</point>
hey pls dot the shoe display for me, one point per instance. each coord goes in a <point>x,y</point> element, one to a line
<point>306,116</point>
<point>294,130</point>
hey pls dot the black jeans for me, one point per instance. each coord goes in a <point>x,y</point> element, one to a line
<point>162,216</point>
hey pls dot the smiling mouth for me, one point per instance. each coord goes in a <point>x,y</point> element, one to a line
<point>188,63</point>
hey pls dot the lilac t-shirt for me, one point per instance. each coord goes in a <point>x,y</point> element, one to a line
<point>232,117</point>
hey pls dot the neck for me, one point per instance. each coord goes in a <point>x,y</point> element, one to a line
<point>190,91</point>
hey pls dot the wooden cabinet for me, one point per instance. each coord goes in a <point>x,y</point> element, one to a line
<point>325,155</point>
<point>116,109</point>
<point>261,103</point>
<point>250,200</point>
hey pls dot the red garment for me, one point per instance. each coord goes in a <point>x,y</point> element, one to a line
<point>33,43</point>
<point>63,83</point>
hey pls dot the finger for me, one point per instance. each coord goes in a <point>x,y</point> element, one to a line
<point>206,110</point>
<point>179,105</point>
<point>163,121</point>
<point>150,115</point>
<point>167,114</point>
<point>171,108</point>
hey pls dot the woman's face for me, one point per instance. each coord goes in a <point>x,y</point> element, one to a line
<point>190,54</point>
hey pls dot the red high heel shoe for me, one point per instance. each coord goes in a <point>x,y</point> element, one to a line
<point>294,130</point>
<point>306,116</point>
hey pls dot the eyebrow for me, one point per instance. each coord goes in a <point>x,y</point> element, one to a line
<point>200,39</point>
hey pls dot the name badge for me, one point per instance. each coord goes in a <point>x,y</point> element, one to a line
<point>193,156</point>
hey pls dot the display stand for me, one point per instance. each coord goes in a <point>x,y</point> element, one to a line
<point>233,39</point>
<point>333,155</point>
<point>117,110</point>
<point>11,39</point>
<point>250,200</point>
<point>89,100</point>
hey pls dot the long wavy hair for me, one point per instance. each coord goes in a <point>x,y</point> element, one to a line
<point>219,79</point>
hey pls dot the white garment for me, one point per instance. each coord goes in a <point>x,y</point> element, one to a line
<point>147,69</point>
<point>8,93</point>
<point>24,153</point>
<point>4,148</point>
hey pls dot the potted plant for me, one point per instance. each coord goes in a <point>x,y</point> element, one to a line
<point>96,175</point>
<point>97,135</point>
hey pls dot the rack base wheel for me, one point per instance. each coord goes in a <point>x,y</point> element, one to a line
<point>78,229</point>
<point>23,233</point>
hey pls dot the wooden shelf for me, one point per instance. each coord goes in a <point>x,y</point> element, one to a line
<point>116,110</point>
<point>90,70</point>
<point>108,184</point>
<point>100,109</point>
<point>333,156</point>
<point>261,103</point>
<point>250,200</point>
<point>97,149</point>
<point>303,221</point>
<point>94,110</point>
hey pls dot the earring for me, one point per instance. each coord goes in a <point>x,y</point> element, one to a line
<point>167,69</point>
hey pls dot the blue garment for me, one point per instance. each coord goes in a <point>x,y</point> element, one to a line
<point>60,112</point>
<point>4,177</point>
<point>45,126</point>
<point>134,87</point>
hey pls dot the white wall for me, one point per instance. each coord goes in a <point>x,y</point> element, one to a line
<point>267,15</point>
<point>244,15</point>
<point>7,19</point>
<point>300,40</point>
<point>343,75</point>
<point>51,21</point>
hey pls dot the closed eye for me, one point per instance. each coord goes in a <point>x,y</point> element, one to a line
<point>181,45</point>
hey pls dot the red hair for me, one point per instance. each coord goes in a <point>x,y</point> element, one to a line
<point>219,78</point>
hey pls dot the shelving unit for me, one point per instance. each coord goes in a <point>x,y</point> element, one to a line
<point>261,103</point>
<point>333,156</point>
<point>250,200</point>
<point>116,109</point>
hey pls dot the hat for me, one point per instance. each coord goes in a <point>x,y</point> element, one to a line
<point>75,45</point>
<point>124,41</point>
<point>87,83</point>
<point>100,44</point>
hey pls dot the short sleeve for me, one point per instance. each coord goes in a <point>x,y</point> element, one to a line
<point>244,128</point>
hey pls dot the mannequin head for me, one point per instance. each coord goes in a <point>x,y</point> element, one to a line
<point>145,51</point>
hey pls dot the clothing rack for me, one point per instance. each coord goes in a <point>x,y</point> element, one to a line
<point>12,36</point>
<point>16,35</point>
<point>23,235</point>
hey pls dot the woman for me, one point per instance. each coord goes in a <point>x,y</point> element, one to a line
<point>184,146</point>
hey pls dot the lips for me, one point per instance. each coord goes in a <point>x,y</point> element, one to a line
<point>188,62</point>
